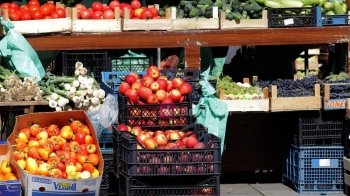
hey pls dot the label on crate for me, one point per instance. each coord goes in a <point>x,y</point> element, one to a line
<point>334,104</point>
<point>325,162</point>
<point>288,21</point>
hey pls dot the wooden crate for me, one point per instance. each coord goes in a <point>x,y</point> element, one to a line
<point>145,24</point>
<point>332,104</point>
<point>194,23</point>
<point>96,26</point>
<point>313,65</point>
<point>295,103</point>
<point>245,23</point>
<point>57,25</point>
<point>247,105</point>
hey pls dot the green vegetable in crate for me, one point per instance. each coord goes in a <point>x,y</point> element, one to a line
<point>328,6</point>
<point>322,2</point>
<point>338,9</point>
<point>161,12</point>
<point>209,12</point>
<point>180,13</point>
<point>188,7</point>
<point>345,7</point>
<point>219,3</point>
<point>205,2</point>
<point>195,12</point>
<point>227,8</point>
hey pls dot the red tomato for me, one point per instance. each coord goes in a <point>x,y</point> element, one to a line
<point>14,16</point>
<point>135,4</point>
<point>4,5</point>
<point>23,10</point>
<point>26,16</point>
<point>146,14</point>
<point>80,6</point>
<point>19,12</point>
<point>52,6</point>
<point>85,14</point>
<point>11,10</point>
<point>14,6</point>
<point>33,8</point>
<point>154,11</point>
<point>138,12</point>
<point>33,3</point>
<point>97,15</point>
<point>105,8</point>
<point>80,137</point>
<point>54,15</point>
<point>97,6</point>
<point>109,14</point>
<point>45,10</point>
<point>113,4</point>
<point>61,12</point>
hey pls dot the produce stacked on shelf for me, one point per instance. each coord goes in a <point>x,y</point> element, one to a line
<point>81,91</point>
<point>15,87</point>
<point>59,152</point>
<point>292,88</point>
<point>341,91</point>
<point>238,91</point>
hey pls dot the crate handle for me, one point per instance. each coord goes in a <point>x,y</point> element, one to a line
<point>195,126</point>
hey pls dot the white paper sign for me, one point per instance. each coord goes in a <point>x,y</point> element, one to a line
<point>325,162</point>
<point>289,21</point>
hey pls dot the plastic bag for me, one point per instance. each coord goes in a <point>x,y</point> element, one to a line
<point>219,64</point>
<point>211,111</point>
<point>108,114</point>
<point>19,54</point>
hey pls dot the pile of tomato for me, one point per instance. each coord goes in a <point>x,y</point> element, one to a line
<point>7,172</point>
<point>100,11</point>
<point>33,10</point>
<point>60,152</point>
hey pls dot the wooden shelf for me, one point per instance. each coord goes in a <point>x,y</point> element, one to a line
<point>191,40</point>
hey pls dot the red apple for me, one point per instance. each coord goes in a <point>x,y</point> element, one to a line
<point>161,147</point>
<point>167,132</point>
<point>152,99</point>
<point>122,127</point>
<point>161,140</point>
<point>150,133</point>
<point>163,78</point>
<point>144,92</point>
<point>137,128</point>
<point>137,85</point>
<point>132,95</point>
<point>187,133</point>
<point>150,143</point>
<point>170,145</point>
<point>185,88</point>
<point>182,134</point>
<point>147,80</point>
<point>199,145</point>
<point>161,95</point>
<point>141,102</point>
<point>163,84</point>
<point>180,144</point>
<point>167,101</point>
<point>141,138</point>
<point>168,159</point>
<point>175,95</point>
<point>154,86</point>
<point>191,142</point>
<point>158,132</point>
<point>124,87</point>
<point>183,158</point>
<point>170,86</point>
<point>153,71</point>
<point>155,160</point>
<point>135,132</point>
<point>136,75</point>
<point>177,82</point>
<point>174,136</point>
<point>130,79</point>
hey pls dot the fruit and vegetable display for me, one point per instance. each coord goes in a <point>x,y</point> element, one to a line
<point>79,92</point>
<point>238,91</point>
<point>160,152</point>
<point>292,88</point>
<point>33,10</point>
<point>341,90</point>
<point>59,152</point>
<point>14,87</point>
<point>7,171</point>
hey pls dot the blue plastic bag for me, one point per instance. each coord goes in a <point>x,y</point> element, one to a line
<point>211,111</point>
<point>19,54</point>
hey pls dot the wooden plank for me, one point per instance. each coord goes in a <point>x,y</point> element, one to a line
<point>192,57</point>
<point>346,164</point>
<point>244,23</point>
<point>96,26</point>
<point>300,65</point>
<point>348,107</point>
<point>295,103</point>
<point>247,105</point>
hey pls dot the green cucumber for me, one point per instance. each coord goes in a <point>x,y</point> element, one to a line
<point>338,8</point>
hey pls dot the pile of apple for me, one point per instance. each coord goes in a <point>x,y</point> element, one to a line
<point>67,152</point>
<point>173,161</point>
<point>153,88</point>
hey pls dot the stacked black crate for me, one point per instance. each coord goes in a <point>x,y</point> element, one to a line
<point>166,171</point>
<point>313,163</point>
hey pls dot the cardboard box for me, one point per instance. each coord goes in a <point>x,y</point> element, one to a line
<point>34,185</point>
<point>11,187</point>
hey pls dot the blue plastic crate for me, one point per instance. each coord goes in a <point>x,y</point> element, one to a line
<point>106,141</point>
<point>111,81</point>
<point>314,169</point>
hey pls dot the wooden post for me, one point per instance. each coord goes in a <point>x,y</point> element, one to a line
<point>74,14</point>
<point>126,14</point>
<point>347,107</point>
<point>5,16</point>
<point>168,13</point>
<point>117,12</point>
<point>246,80</point>
<point>265,93</point>
<point>192,57</point>
<point>222,94</point>
<point>274,92</point>
<point>327,90</point>
<point>317,90</point>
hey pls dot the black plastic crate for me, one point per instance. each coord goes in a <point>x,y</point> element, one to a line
<point>324,129</point>
<point>94,61</point>
<point>292,17</point>
<point>129,186</point>
<point>107,170</point>
<point>155,115</point>
<point>191,76</point>
<point>175,162</point>
<point>130,64</point>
